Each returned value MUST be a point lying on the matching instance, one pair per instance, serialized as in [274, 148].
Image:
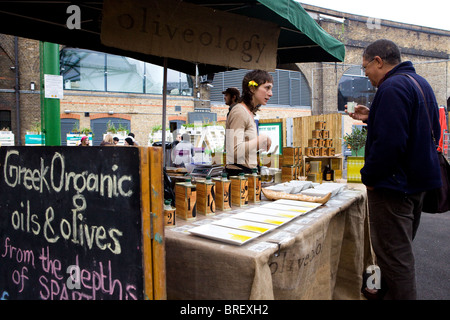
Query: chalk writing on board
[70, 229]
[54, 282]
[54, 177]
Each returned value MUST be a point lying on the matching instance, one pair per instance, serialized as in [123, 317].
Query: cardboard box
[316, 152]
[309, 152]
[206, 202]
[239, 191]
[317, 134]
[321, 143]
[290, 156]
[288, 173]
[223, 192]
[321, 125]
[307, 168]
[335, 164]
[254, 188]
[314, 177]
[331, 152]
[316, 166]
[185, 200]
[313, 143]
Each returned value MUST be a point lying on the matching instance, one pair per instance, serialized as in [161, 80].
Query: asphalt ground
[432, 255]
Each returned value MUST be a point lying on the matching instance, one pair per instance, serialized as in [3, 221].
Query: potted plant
[121, 132]
[74, 137]
[356, 141]
[34, 136]
[155, 134]
[111, 128]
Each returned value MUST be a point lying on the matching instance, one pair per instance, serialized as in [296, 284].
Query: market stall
[318, 255]
[165, 35]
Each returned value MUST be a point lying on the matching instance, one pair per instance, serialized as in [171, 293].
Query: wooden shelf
[337, 166]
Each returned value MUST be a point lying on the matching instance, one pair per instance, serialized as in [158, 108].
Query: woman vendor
[242, 140]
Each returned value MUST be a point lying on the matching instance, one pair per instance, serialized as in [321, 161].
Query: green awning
[292, 44]
[301, 38]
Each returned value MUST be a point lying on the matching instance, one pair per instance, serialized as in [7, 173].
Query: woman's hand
[264, 142]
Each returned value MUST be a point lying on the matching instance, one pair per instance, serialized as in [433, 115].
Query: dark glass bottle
[328, 174]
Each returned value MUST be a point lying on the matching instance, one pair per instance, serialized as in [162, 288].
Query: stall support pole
[164, 113]
[50, 108]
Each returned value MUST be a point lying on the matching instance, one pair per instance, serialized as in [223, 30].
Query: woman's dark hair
[129, 141]
[385, 49]
[258, 76]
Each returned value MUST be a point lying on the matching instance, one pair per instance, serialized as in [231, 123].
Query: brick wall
[425, 47]
[144, 111]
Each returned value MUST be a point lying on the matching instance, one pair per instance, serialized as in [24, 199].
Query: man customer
[401, 162]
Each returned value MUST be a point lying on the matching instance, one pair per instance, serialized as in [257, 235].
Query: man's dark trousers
[394, 218]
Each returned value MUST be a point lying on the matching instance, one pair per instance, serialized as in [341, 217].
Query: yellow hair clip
[252, 84]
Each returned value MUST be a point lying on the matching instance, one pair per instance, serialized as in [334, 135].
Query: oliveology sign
[180, 30]
[70, 223]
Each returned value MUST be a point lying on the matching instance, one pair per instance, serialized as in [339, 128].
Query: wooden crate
[335, 163]
[290, 156]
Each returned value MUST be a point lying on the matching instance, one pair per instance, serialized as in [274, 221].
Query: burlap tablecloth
[320, 255]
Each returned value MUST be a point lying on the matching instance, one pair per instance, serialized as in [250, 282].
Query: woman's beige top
[240, 129]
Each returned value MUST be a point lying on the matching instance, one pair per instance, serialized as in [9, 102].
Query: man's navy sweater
[400, 153]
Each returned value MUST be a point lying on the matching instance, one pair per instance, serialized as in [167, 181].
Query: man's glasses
[364, 67]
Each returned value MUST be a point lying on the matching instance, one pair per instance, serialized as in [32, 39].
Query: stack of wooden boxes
[292, 163]
[321, 144]
[321, 149]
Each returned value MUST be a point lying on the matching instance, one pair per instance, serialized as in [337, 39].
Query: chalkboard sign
[70, 223]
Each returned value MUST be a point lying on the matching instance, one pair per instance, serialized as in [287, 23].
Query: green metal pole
[41, 75]
[51, 111]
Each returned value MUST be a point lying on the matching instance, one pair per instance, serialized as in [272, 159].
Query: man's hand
[361, 113]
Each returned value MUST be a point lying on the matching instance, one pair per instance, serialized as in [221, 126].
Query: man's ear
[380, 62]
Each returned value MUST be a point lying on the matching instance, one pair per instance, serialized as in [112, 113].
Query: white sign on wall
[53, 86]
